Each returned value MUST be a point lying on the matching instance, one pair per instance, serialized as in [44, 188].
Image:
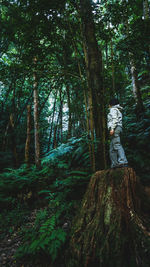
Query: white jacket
[114, 117]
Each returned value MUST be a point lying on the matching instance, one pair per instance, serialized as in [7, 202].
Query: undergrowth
[54, 192]
[136, 139]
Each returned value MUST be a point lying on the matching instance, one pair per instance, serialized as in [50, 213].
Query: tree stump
[109, 230]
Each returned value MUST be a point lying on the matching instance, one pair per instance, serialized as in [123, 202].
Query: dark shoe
[122, 165]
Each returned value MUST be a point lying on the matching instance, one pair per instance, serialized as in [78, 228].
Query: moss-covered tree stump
[109, 230]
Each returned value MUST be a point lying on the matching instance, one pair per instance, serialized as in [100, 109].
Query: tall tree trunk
[146, 11]
[90, 130]
[94, 76]
[69, 111]
[36, 117]
[88, 118]
[91, 125]
[135, 84]
[52, 122]
[60, 135]
[13, 141]
[146, 14]
[106, 52]
[68, 93]
[136, 88]
[110, 229]
[59, 123]
[14, 98]
[4, 143]
[113, 67]
[55, 136]
[56, 132]
[28, 138]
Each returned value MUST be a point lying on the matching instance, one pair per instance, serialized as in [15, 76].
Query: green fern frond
[48, 225]
[58, 234]
[53, 249]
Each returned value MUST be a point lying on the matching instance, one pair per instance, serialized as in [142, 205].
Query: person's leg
[113, 154]
[121, 157]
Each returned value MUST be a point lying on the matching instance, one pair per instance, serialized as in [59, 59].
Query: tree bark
[90, 129]
[58, 121]
[146, 11]
[69, 111]
[60, 118]
[52, 122]
[56, 132]
[4, 143]
[28, 138]
[106, 53]
[65, 58]
[88, 118]
[108, 229]
[36, 117]
[146, 15]
[91, 126]
[45, 100]
[13, 141]
[113, 67]
[94, 76]
[136, 88]
[55, 137]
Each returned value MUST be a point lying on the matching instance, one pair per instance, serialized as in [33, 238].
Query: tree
[93, 60]
[146, 10]
[28, 138]
[36, 117]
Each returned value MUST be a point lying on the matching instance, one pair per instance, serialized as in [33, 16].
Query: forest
[61, 203]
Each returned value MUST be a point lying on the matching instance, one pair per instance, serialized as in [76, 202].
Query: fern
[57, 182]
[41, 216]
[49, 238]
[48, 225]
[74, 152]
[57, 238]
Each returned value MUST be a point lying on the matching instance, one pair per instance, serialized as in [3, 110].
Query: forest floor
[8, 248]
[10, 242]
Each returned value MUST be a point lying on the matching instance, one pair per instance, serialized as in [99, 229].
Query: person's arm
[113, 118]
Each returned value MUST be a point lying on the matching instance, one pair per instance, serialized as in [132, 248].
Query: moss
[108, 212]
[108, 209]
[117, 176]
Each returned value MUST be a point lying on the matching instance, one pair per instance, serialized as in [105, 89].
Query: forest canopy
[46, 49]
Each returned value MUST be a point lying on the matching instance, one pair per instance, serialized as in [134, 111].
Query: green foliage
[45, 236]
[56, 183]
[12, 220]
[137, 144]
[56, 39]
[14, 182]
[72, 154]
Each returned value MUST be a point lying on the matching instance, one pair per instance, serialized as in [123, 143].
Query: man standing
[114, 124]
